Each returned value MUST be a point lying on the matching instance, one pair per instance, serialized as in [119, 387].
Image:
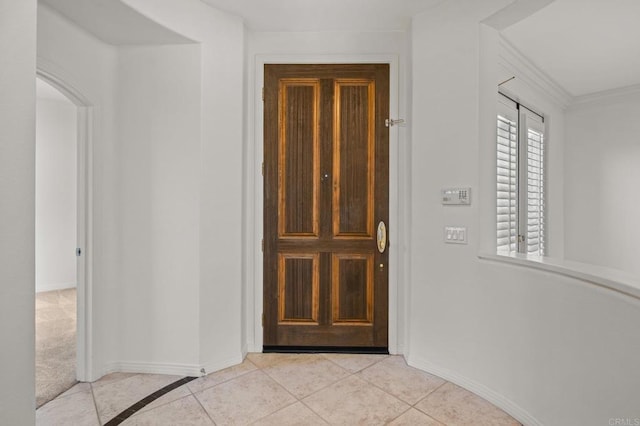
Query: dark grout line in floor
[131, 410]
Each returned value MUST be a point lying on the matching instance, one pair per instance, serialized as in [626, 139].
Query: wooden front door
[326, 180]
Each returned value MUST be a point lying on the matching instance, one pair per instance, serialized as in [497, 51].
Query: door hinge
[263, 94]
[263, 244]
[390, 122]
[263, 168]
[263, 319]
[78, 252]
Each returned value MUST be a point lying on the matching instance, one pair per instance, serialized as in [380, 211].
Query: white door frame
[84, 223]
[254, 200]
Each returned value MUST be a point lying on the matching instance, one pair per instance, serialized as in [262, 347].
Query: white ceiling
[113, 22]
[586, 46]
[325, 15]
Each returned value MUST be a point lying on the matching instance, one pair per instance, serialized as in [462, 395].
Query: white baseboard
[244, 350]
[216, 365]
[479, 389]
[171, 369]
[399, 350]
[253, 348]
[41, 288]
[153, 368]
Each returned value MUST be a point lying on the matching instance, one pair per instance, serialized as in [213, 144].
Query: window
[520, 179]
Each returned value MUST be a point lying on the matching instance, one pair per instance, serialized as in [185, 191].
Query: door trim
[84, 353]
[254, 199]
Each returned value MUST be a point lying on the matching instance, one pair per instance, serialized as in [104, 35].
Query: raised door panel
[298, 165]
[352, 289]
[353, 158]
[298, 288]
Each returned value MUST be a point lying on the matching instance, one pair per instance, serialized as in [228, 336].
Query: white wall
[542, 346]
[17, 211]
[602, 165]
[219, 171]
[159, 151]
[322, 47]
[167, 187]
[87, 67]
[56, 210]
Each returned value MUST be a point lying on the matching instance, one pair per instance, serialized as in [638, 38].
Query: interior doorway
[63, 122]
[326, 210]
[56, 237]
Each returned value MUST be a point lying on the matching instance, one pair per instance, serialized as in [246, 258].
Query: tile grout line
[395, 396]
[319, 390]
[223, 381]
[427, 396]
[98, 384]
[139, 412]
[283, 387]
[314, 412]
[258, 369]
[202, 406]
[349, 373]
[300, 400]
[399, 415]
[352, 374]
[410, 406]
[95, 404]
[193, 394]
[132, 409]
[278, 410]
[357, 375]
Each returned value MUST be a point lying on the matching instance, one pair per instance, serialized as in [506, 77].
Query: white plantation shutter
[534, 236]
[507, 184]
[520, 183]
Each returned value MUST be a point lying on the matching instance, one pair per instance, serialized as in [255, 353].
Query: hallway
[280, 389]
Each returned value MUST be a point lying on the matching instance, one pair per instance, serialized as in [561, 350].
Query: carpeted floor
[55, 343]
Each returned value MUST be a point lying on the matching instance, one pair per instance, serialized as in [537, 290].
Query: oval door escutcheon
[382, 237]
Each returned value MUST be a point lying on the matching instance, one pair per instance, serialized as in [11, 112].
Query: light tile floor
[282, 389]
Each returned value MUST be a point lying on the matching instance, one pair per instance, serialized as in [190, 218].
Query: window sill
[601, 276]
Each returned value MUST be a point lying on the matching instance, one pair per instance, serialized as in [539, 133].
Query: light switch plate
[455, 234]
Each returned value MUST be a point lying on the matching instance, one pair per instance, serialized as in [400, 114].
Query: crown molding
[525, 70]
[606, 95]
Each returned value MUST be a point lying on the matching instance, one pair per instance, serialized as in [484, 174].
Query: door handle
[381, 237]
